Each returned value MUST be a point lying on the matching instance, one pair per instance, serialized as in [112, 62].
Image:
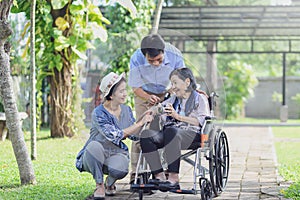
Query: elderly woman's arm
[190, 120]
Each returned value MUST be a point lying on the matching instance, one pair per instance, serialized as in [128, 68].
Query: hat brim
[117, 81]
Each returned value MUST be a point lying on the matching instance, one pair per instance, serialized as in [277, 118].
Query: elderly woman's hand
[170, 111]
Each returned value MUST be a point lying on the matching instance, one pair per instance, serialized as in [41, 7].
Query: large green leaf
[77, 8]
[129, 6]
[61, 43]
[99, 31]
[58, 4]
[79, 54]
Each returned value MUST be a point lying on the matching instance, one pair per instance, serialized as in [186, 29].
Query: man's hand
[153, 99]
[150, 98]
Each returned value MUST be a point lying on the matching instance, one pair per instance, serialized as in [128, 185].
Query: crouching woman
[112, 121]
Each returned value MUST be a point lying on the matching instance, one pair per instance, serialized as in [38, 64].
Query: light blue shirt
[151, 78]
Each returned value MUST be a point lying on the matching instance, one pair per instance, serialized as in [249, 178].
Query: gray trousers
[98, 161]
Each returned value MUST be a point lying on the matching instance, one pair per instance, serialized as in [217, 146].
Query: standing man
[150, 67]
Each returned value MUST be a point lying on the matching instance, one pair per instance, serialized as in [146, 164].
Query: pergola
[249, 24]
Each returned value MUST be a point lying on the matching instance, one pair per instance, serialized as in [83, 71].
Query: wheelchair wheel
[212, 162]
[206, 189]
[222, 160]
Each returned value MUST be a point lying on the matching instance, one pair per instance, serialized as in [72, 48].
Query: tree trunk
[157, 15]
[6, 91]
[61, 89]
[32, 81]
[61, 100]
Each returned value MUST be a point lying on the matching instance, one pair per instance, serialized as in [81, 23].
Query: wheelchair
[210, 180]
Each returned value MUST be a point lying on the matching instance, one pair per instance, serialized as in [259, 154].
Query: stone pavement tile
[268, 170]
[172, 196]
[227, 196]
[250, 186]
[272, 191]
[248, 196]
[251, 176]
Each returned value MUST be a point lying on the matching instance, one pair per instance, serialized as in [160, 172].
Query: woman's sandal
[98, 196]
[110, 190]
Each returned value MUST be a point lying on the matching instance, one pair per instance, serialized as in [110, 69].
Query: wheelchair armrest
[207, 126]
[208, 118]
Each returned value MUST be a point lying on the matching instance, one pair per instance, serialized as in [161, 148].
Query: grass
[261, 121]
[54, 168]
[288, 155]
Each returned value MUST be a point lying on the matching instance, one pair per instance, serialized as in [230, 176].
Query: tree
[6, 91]
[64, 29]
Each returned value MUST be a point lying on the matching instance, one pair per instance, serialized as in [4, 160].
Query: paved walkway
[252, 174]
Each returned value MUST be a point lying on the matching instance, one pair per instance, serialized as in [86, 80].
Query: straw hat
[109, 81]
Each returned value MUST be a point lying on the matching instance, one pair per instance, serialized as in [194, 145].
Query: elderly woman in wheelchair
[183, 115]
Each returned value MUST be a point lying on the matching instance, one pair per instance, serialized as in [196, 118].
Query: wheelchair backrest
[211, 100]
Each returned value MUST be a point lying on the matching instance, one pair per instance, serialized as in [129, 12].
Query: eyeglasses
[157, 60]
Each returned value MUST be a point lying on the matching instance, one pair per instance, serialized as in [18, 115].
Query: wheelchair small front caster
[206, 189]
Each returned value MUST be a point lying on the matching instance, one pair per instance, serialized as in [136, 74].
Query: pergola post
[284, 107]
[211, 67]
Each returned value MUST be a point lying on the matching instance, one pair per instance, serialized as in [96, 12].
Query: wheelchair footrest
[144, 187]
[182, 191]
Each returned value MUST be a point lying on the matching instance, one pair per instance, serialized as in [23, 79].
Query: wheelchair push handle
[212, 102]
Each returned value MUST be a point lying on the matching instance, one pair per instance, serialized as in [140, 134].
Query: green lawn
[55, 171]
[288, 154]
[261, 121]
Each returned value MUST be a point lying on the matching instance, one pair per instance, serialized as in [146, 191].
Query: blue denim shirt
[107, 130]
[151, 78]
[106, 127]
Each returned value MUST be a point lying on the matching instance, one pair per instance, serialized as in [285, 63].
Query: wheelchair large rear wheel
[222, 159]
[212, 162]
